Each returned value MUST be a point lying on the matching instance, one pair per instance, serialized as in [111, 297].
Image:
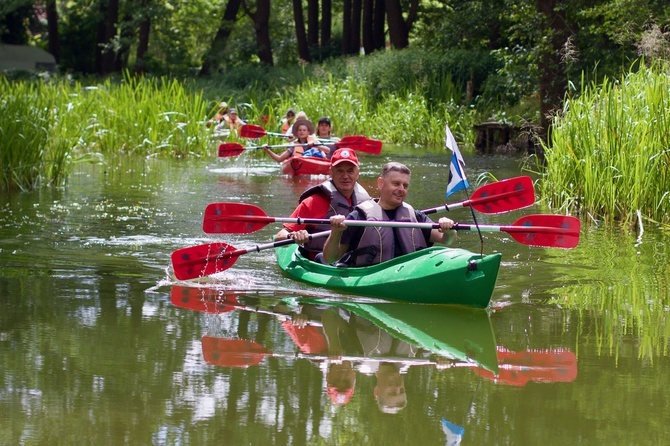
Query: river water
[99, 345]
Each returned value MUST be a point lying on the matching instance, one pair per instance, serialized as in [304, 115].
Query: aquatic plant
[609, 150]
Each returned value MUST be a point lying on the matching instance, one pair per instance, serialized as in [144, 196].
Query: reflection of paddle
[545, 230]
[243, 353]
[357, 143]
[213, 301]
[517, 368]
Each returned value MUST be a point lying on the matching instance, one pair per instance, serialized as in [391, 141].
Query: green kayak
[432, 275]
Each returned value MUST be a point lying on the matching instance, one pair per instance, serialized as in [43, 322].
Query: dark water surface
[100, 346]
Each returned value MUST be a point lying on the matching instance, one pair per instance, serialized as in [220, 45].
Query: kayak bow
[433, 275]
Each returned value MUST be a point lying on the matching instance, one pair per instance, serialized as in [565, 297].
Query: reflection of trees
[87, 362]
[623, 295]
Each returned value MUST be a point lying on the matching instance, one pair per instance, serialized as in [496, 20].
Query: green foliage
[47, 126]
[33, 152]
[78, 31]
[609, 153]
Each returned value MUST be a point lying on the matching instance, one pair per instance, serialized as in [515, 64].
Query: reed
[610, 151]
[26, 125]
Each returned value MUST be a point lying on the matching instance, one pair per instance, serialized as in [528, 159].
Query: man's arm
[444, 234]
[333, 249]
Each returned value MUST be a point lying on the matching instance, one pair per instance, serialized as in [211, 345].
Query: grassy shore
[607, 159]
[610, 150]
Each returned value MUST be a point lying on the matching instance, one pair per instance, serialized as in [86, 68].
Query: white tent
[24, 57]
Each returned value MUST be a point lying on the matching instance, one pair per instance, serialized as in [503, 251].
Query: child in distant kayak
[287, 121]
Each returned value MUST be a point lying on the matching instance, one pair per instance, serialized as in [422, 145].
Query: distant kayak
[305, 165]
[433, 275]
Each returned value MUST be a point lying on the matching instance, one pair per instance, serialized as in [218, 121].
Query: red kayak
[305, 165]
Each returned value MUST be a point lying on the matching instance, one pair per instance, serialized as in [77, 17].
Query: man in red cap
[338, 195]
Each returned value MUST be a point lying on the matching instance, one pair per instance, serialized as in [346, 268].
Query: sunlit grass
[44, 127]
[610, 150]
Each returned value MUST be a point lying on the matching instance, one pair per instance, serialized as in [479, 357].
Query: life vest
[338, 205]
[377, 244]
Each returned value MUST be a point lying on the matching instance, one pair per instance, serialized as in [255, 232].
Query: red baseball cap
[344, 155]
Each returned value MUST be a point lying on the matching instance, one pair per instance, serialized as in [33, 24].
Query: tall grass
[46, 126]
[397, 97]
[27, 159]
[610, 150]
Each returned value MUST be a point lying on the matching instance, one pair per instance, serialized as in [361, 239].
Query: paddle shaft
[242, 251]
[392, 224]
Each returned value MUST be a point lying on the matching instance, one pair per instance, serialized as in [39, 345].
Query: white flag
[457, 180]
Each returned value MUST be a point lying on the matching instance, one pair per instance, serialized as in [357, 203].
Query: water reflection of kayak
[445, 336]
[452, 336]
[460, 335]
[433, 275]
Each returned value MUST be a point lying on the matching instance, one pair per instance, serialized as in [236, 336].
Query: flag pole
[457, 179]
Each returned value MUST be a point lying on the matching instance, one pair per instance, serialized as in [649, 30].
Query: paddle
[211, 258]
[495, 198]
[502, 196]
[256, 131]
[357, 143]
[546, 230]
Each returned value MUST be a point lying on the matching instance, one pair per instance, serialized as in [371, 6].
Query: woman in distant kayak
[304, 132]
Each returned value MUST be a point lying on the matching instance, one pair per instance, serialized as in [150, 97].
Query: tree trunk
[105, 55]
[52, 27]
[356, 9]
[399, 28]
[346, 27]
[379, 23]
[313, 26]
[300, 35]
[218, 46]
[552, 81]
[144, 29]
[262, 25]
[374, 15]
[326, 22]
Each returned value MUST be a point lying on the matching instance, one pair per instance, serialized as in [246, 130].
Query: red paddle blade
[252, 131]
[546, 230]
[202, 260]
[373, 146]
[206, 300]
[504, 196]
[231, 218]
[360, 144]
[230, 149]
[232, 352]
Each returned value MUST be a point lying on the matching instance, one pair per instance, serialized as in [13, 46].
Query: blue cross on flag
[457, 180]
